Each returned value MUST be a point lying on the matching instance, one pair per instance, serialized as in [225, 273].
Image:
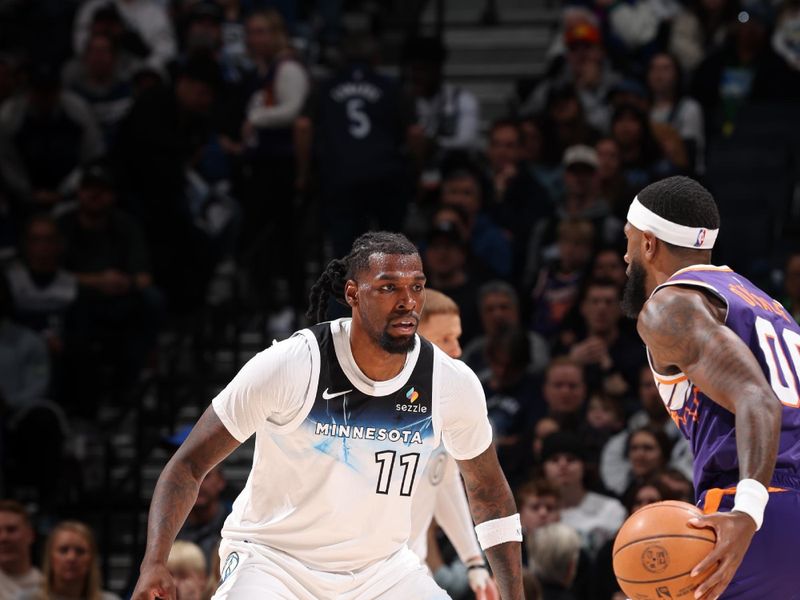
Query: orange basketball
[656, 550]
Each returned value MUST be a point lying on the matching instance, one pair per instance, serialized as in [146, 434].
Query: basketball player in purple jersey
[726, 359]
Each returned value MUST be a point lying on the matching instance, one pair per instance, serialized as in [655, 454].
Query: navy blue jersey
[360, 122]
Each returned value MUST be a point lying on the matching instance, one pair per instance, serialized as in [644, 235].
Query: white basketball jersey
[338, 455]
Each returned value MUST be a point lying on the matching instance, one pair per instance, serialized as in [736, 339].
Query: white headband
[645, 219]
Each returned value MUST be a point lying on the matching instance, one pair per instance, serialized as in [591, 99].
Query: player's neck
[371, 359]
[666, 268]
[674, 261]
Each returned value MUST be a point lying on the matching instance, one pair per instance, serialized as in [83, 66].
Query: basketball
[656, 550]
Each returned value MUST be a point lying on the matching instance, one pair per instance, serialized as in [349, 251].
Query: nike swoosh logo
[327, 396]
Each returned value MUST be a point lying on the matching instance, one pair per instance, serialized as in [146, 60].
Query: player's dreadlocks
[338, 271]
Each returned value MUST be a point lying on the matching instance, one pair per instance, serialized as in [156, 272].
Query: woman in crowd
[648, 453]
[639, 150]
[71, 569]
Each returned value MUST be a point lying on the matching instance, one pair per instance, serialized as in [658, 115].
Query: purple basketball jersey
[774, 339]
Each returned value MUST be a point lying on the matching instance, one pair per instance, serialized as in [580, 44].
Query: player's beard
[634, 296]
[395, 345]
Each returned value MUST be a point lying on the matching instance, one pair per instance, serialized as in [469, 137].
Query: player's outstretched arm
[176, 491]
[490, 498]
[681, 330]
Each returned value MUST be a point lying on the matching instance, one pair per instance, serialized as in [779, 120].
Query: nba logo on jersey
[701, 237]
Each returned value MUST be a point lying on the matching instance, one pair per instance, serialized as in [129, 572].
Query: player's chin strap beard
[644, 219]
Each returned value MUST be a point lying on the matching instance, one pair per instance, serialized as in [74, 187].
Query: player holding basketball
[726, 359]
[346, 414]
[440, 492]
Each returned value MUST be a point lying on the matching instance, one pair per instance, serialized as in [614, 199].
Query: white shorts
[255, 572]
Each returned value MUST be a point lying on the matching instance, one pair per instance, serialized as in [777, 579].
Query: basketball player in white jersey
[346, 414]
[440, 493]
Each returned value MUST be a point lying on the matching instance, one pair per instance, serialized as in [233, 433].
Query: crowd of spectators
[152, 145]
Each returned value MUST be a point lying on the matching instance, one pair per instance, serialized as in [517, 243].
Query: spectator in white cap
[582, 200]
[582, 193]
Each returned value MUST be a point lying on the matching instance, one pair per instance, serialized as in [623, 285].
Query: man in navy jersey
[726, 359]
[346, 414]
[362, 123]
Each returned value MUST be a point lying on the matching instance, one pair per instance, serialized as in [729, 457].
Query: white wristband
[751, 498]
[498, 531]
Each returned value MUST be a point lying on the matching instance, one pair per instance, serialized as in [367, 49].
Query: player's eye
[418, 287]
[387, 288]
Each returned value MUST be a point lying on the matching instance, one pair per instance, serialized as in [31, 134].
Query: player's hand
[482, 584]
[154, 582]
[734, 531]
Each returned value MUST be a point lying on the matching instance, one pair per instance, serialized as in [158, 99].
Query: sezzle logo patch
[412, 396]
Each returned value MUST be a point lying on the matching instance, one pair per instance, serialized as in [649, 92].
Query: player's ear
[649, 245]
[351, 292]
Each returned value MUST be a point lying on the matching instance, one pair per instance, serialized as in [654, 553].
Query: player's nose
[406, 300]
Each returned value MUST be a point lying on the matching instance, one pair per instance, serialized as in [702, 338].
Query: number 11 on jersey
[386, 460]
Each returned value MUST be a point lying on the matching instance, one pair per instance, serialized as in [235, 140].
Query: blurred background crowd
[174, 174]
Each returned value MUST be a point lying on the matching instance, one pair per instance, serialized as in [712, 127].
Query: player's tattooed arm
[683, 331]
[490, 498]
[207, 445]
